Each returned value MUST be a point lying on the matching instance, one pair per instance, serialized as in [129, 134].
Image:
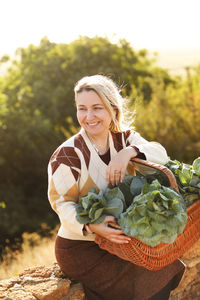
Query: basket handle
[165, 170]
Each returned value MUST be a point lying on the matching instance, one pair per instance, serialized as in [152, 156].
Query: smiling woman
[93, 116]
[98, 156]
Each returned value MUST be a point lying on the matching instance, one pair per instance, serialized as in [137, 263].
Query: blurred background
[151, 49]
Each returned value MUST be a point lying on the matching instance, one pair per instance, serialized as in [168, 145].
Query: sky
[152, 24]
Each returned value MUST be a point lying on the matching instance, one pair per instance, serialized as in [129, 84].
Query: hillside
[175, 60]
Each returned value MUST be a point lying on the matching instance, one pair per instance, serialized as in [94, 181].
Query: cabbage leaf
[94, 207]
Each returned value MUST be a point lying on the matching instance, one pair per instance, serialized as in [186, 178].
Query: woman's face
[92, 114]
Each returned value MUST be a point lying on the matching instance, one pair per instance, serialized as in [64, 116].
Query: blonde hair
[109, 93]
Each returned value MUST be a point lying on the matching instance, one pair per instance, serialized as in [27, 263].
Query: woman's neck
[100, 143]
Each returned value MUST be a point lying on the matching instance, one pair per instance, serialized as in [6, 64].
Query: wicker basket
[155, 258]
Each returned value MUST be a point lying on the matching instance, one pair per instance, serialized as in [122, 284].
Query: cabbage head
[157, 215]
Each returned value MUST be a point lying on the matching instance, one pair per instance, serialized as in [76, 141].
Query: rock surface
[49, 283]
[189, 287]
[40, 283]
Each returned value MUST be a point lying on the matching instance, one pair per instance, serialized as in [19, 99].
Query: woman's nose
[90, 115]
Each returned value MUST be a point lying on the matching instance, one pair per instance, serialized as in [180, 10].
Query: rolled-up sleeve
[153, 151]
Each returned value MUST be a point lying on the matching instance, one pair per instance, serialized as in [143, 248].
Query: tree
[172, 117]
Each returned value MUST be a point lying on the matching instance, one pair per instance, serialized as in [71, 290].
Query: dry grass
[35, 251]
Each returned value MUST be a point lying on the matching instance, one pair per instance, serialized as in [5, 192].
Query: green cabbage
[94, 207]
[157, 215]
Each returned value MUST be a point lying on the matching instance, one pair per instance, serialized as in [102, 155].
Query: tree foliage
[172, 117]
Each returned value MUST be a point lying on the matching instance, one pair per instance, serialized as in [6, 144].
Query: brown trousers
[107, 277]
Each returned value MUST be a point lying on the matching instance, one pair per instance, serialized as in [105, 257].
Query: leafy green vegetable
[196, 166]
[125, 188]
[137, 184]
[94, 207]
[157, 215]
[188, 179]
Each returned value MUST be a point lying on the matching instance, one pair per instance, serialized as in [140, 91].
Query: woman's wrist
[139, 154]
[133, 151]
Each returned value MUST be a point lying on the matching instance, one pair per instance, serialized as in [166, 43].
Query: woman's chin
[96, 130]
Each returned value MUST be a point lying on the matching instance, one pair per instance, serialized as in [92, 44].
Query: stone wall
[49, 283]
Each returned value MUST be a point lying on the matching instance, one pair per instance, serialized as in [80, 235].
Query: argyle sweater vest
[75, 167]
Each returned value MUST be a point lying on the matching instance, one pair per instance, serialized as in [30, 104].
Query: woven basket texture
[155, 258]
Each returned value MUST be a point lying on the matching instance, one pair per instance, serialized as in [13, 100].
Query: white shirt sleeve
[153, 151]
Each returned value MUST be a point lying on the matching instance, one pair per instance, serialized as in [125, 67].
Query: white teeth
[92, 124]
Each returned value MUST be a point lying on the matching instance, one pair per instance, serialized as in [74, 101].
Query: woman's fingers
[117, 235]
[120, 239]
[112, 234]
[109, 219]
[114, 231]
[120, 176]
[114, 176]
[117, 176]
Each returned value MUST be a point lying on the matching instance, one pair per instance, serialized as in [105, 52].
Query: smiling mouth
[93, 124]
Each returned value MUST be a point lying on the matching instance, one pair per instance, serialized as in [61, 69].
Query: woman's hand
[114, 235]
[117, 167]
